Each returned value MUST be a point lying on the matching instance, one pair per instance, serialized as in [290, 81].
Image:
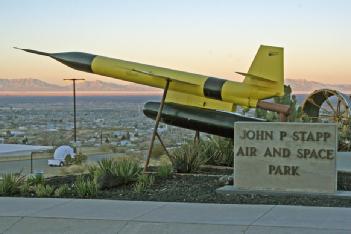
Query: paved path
[343, 163]
[32, 215]
[42, 164]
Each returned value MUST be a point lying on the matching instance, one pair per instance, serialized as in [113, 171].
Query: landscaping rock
[226, 180]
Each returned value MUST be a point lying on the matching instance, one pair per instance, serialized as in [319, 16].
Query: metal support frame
[163, 145]
[154, 133]
[197, 137]
[31, 162]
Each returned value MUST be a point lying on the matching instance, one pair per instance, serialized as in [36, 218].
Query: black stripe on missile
[213, 88]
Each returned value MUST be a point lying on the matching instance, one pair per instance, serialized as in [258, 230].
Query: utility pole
[74, 108]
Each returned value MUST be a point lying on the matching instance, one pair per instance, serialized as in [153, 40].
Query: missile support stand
[155, 133]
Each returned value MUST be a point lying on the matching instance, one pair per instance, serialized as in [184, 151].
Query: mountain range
[306, 86]
[36, 85]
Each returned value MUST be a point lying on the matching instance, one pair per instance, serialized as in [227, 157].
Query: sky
[214, 38]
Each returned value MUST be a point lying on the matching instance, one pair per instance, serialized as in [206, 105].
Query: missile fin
[256, 77]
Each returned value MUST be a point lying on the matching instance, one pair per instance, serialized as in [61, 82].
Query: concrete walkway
[32, 215]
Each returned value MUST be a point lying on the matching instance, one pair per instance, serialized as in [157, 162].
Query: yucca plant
[85, 188]
[106, 165]
[112, 173]
[42, 190]
[80, 158]
[219, 151]
[62, 191]
[188, 157]
[127, 170]
[26, 189]
[164, 169]
[11, 183]
[35, 179]
[143, 182]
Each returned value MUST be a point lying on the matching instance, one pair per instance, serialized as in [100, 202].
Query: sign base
[230, 189]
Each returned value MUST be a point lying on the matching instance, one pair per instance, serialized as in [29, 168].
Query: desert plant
[77, 169]
[219, 151]
[127, 170]
[164, 170]
[62, 191]
[10, 183]
[188, 157]
[105, 165]
[344, 137]
[143, 182]
[92, 168]
[35, 179]
[85, 188]
[112, 173]
[26, 189]
[43, 190]
[157, 151]
[80, 158]
[68, 160]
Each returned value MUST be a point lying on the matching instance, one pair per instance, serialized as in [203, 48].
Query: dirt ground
[202, 188]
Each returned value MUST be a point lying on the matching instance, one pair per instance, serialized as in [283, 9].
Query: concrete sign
[290, 157]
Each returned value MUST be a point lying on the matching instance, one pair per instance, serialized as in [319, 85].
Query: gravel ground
[189, 188]
[202, 188]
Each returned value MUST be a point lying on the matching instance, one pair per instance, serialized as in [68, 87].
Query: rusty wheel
[328, 106]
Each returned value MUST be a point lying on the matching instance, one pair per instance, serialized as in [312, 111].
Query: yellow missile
[264, 79]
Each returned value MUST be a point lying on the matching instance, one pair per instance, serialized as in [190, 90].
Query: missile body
[195, 118]
[258, 84]
[194, 101]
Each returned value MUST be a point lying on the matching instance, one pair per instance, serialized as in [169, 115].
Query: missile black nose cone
[33, 51]
[76, 60]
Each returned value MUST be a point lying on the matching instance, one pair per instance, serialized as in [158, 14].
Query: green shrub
[62, 191]
[105, 165]
[26, 189]
[219, 151]
[43, 190]
[92, 168]
[68, 160]
[127, 170]
[80, 158]
[344, 137]
[11, 183]
[188, 157]
[85, 188]
[157, 151]
[143, 182]
[164, 170]
[112, 173]
[35, 179]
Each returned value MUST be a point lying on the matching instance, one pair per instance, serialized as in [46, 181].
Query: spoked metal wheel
[328, 106]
